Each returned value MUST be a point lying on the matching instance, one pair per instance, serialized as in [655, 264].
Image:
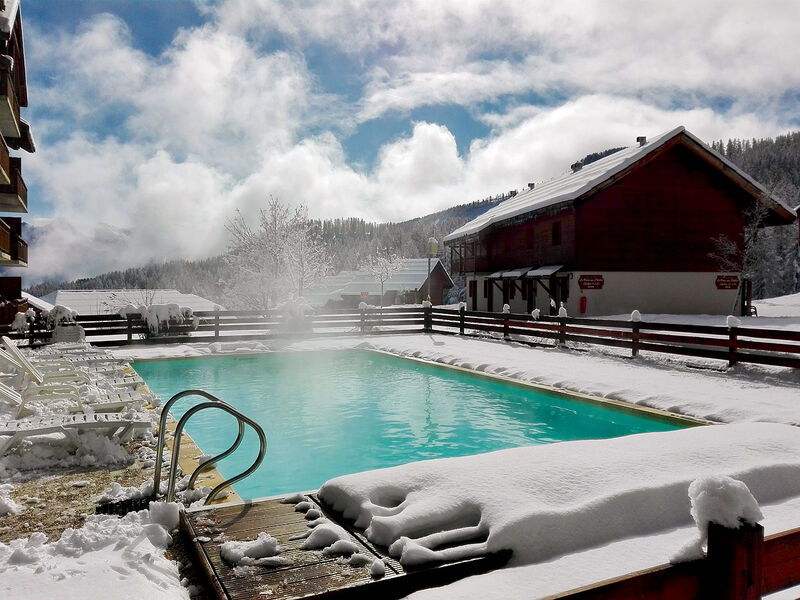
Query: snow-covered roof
[37, 302]
[99, 302]
[572, 185]
[412, 276]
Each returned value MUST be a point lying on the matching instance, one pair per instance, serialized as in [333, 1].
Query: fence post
[734, 563]
[427, 325]
[216, 325]
[363, 320]
[635, 338]
[562, 331]
[31, 325]
[462, 310]
[506, 335]
[732, 345]
[130, 328]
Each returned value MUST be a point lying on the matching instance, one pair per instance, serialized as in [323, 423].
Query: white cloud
[217, 123]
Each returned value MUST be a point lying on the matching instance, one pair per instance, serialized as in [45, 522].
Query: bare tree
[382, 266]
[275, 262]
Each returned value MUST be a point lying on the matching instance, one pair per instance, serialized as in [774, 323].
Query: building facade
[639, 229]
[15, 135]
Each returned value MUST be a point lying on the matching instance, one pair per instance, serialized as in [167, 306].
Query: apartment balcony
[5, 243]
[9, 105]
[14, 195]
[13, 249]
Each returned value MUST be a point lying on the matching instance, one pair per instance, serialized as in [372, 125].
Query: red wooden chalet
[633, 230]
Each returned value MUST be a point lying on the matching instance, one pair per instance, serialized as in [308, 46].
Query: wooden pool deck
[309, 573]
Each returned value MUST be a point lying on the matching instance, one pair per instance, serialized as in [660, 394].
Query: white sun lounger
[46, 393]
[16, 358]
[106, 401]
[108, 424]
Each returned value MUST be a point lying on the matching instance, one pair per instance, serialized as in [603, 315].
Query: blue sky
[155, 120]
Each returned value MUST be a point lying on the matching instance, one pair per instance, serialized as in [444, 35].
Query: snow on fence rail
[733, 345]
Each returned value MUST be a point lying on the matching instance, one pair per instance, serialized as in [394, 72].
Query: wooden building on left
[15, 138]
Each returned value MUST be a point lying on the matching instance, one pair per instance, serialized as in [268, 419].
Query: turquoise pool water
[331, 413]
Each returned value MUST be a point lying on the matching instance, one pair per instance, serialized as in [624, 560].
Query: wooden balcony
[14, 195]
[5, 243]
[9, 105]
[15, 251]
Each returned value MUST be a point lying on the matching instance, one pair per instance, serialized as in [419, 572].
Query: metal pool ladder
[213, 402]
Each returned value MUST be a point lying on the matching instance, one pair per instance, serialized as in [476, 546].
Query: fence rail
[733, 345]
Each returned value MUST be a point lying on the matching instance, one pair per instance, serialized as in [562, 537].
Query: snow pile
[87, 449]
[7, 505]
[722, 500]
[732, 322]
[125, 555]
[59, 315]
[636, 316]
[20, 323]
[159, 316]
[506, 309]
[260, 551]
[549, 500]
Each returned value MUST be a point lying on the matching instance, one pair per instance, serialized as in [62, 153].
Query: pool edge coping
[610, 403]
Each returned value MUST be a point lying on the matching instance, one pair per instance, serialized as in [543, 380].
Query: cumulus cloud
[144, 157]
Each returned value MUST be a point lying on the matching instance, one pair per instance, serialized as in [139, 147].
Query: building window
[485, 288]
[473, 288]
[556, 237]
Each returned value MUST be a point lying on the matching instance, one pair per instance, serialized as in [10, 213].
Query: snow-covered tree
[382, 266]
[275, 262]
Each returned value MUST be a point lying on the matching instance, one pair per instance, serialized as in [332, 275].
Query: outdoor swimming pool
[331, 413]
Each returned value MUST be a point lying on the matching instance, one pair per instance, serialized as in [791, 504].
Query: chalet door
[473, 293]
[531, 287]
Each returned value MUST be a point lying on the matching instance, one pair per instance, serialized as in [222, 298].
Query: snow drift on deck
[544, 501]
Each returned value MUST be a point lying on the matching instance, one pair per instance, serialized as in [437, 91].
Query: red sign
[364, 295]
[727, 282]
[591, 282]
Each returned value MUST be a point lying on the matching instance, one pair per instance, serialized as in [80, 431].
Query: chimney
[576, 166]
[531, 186]
[642, 140]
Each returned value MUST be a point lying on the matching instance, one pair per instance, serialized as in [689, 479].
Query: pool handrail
[217, 403]
[162, 434]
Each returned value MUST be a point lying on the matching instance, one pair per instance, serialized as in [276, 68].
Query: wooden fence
[733, 345]
[741, 564]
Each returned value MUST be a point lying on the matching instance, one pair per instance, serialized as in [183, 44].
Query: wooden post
[363, 321]
[462, 310]
[635, 338]
[732, 345]
[734, 563]
[130, 329]
[562, 331]
[506, 335]
[428, 327]
[216, 325]
[31, 327]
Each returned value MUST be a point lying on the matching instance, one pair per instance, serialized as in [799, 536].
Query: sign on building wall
[591, 282]
[727, 282]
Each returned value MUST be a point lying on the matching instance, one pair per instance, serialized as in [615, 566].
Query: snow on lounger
[548, 500]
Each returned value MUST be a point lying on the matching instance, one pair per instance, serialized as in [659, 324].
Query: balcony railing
[14, 196]
[16, 253]
[9, 105]
[5, 243]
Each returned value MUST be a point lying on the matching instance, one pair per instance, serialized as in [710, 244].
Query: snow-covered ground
[574, 512]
